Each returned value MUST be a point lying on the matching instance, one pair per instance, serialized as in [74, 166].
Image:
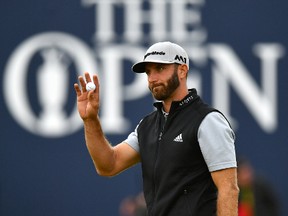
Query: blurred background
[238, 57]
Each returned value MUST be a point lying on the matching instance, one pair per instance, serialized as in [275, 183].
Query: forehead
[151, 65]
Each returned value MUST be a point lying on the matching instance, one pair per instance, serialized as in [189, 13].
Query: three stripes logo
[178, 138]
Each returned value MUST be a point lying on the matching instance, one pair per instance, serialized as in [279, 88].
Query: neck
[177, 96]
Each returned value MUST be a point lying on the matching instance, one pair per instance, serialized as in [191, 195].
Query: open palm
[87, 101]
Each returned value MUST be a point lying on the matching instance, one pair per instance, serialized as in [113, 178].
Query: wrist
[92, 124]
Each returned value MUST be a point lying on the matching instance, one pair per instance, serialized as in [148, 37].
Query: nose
[152, 76]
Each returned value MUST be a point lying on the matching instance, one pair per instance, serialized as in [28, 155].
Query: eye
[160, 68]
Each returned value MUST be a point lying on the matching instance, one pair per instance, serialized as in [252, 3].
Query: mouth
[156, 88]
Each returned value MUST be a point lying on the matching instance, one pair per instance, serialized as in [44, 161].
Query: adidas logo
[178, 138]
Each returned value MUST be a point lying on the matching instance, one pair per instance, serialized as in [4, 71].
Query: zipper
[156, 158]
[162, 127]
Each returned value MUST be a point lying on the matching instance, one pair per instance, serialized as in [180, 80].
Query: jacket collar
[189, 98]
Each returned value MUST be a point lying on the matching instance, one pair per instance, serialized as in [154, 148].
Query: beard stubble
[163, 91]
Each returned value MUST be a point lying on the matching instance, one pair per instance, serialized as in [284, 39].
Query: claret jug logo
[51, 79]
[177, 21]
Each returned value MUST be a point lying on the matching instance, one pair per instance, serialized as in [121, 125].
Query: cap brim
[140, 66]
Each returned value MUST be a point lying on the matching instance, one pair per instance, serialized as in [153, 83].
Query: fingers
[83, 83]
[96, 82]
[87, 77]
[77, 89]
[94, 95]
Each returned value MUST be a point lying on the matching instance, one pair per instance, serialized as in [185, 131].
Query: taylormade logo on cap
[162, 52]
[154, 53]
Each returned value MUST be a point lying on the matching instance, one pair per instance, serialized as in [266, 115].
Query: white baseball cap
[162, 52]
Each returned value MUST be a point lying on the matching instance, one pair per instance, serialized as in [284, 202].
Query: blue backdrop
[239, 64]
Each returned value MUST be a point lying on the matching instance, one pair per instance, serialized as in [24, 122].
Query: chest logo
[178, 138]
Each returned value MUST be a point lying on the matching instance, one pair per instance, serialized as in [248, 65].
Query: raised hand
[87, 101]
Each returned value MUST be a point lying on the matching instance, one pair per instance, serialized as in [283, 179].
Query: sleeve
[216, 140]
[132, 140]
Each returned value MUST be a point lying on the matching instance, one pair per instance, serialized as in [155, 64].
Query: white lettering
[229, 70]
[186, 21]
[179, 21]
[133, 17]
[104, 19]
[166, 19]
[115, 91]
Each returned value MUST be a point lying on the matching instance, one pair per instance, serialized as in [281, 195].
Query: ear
[183, 70]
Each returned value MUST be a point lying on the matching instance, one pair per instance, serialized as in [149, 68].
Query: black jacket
[176, 179]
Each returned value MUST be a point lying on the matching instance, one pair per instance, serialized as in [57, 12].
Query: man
[186, 148]
[257, 196]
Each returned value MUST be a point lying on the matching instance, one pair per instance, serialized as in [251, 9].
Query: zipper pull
[160, 136]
